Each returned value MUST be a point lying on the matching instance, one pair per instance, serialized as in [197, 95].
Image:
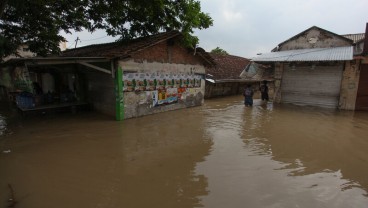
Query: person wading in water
[264, 91]
[248, 95]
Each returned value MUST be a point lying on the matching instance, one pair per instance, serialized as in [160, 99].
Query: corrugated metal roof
[313, 54]
[355, 37]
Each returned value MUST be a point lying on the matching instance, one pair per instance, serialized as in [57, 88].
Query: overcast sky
[245, 28]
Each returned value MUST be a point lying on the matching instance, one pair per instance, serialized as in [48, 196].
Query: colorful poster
[140, 81]
[151, 81]
[177, 81]
[191, 81]
[197, 82]
[161, 97]
[184, 80]
[172, 95]
[160, 82]
[128, 82]
[181, 93]
[169, 78]
[155, 81]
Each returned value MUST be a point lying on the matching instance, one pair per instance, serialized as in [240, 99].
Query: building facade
[127, 79]
[315, 67]
[150, 75]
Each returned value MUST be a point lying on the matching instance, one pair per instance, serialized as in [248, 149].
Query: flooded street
[221, 154]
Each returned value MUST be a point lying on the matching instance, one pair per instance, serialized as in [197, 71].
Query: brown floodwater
[221, 154]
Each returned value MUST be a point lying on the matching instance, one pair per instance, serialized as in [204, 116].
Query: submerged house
[315, 67]
[223, 78]
[230, 74]
[124, 79]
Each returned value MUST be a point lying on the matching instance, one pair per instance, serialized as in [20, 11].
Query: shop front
[41, 85]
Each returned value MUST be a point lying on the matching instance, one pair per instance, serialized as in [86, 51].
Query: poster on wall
[128, 82]
[177, 81]
[160, 82]
[161, 97]
[150, 81]
[169, 78]
[172, 95]
[154, 95]
[155, 81]
[197, 82]
[140, 81]
[191, 81]
[181, 93]
[184, 80]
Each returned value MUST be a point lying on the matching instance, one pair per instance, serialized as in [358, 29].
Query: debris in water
[11, 200]
[6, 151]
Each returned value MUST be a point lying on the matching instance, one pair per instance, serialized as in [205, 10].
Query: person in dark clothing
[264, 91]
[248, 95]
[37, 88]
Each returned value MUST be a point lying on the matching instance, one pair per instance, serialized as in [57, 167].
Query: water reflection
[286, 156]
[91, 161]
[219, 155]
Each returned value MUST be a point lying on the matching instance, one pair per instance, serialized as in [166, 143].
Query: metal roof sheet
[312, 54]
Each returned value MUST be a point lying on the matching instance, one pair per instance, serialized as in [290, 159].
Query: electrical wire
[95, 38]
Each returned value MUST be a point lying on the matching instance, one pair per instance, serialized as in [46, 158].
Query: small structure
[223, 78]
[315, 67]
[126, 79]
[48, 84]
[230, 74]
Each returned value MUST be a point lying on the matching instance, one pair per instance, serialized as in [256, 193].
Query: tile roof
[313, 54]
[355, 37]
[119, 49]
[226, 66]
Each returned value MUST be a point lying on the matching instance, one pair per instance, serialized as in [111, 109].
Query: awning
[86, 61]
[312, 54]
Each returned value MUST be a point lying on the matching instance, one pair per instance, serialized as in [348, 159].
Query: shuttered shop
[307, 85]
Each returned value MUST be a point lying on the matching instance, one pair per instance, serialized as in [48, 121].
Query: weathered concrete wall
[223, 89]
[314, 38]
[162, 59]
[236, 88]
[279, 69]
[157, 67]
[358, 48]
[349, 85]
[101, 92]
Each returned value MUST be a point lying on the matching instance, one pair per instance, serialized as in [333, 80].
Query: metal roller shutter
[318, 87]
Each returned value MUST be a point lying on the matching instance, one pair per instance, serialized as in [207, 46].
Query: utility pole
[76, 42]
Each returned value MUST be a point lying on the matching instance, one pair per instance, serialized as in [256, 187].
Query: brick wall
[167, 53]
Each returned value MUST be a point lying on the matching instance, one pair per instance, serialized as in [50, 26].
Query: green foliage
[39, 22]
[219, 51]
